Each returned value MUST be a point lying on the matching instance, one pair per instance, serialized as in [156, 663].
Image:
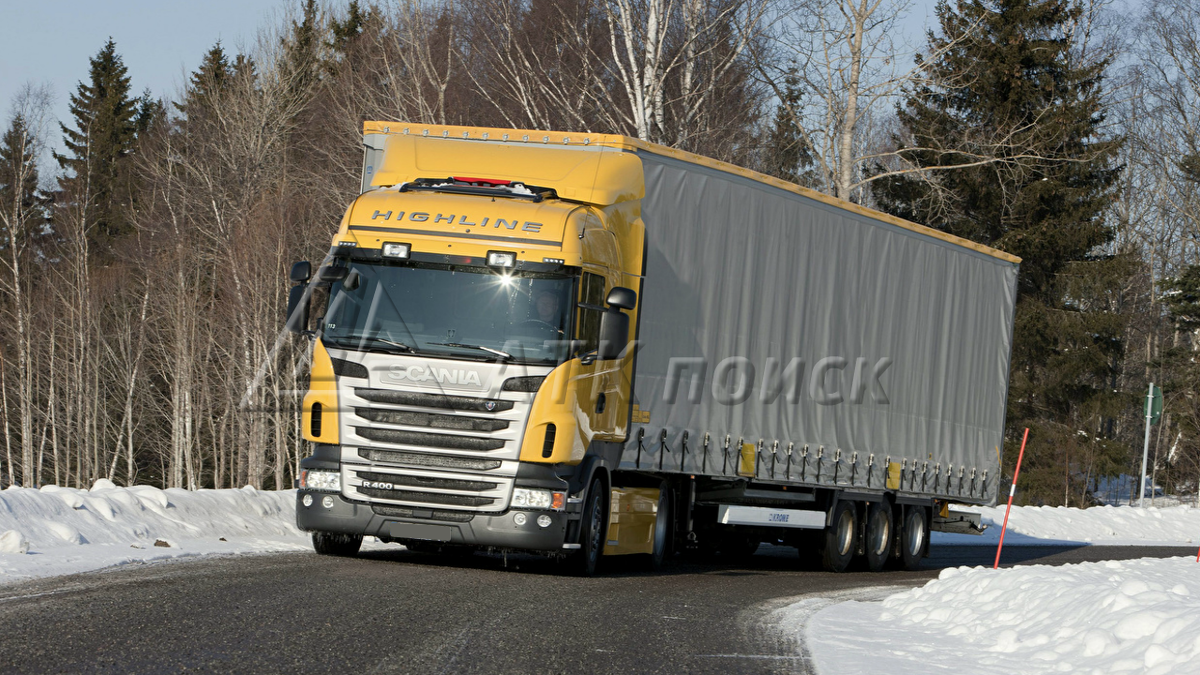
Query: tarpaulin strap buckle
[641, 435]
[662, 447]
[683, 450]
[725, 455]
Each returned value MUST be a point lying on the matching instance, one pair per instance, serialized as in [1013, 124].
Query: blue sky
[50, 41]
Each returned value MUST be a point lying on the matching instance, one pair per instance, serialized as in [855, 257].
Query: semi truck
[587, 345]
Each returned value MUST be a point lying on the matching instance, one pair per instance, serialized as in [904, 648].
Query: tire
[841, 538]
[343, 545]
[914, 538]
[593, 526]
[663, 528]
[878, 535]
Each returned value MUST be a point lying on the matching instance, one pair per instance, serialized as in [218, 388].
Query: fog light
[307, 500]
[519, 519]
[327, 502]
[543, 521]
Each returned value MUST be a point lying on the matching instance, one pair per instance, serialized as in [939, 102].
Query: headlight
[330, 481]
[524, 498]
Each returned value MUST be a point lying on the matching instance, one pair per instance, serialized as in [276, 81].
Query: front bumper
[490, 530]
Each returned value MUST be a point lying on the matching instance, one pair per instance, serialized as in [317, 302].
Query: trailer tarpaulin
[781, 321]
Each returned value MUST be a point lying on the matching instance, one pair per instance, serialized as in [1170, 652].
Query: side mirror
[352, 281]
[330, 274]
[621, 297]
[301, 272]
[297, 309]
[614, 334]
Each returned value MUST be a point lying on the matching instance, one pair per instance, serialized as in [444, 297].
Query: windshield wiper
[504, 355]
[371, 338]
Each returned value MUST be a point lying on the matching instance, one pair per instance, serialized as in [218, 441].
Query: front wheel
[343, 545]
[592, 528]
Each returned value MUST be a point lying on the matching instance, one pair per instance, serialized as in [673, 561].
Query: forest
[145, 241]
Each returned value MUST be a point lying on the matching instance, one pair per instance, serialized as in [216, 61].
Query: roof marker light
[484, 136]
[466, 134]
[566, 139]
[425, 133]
[446, 133]
[586, 141]
[545, 139]
[525, 138]
[506, 137]
[405, 131]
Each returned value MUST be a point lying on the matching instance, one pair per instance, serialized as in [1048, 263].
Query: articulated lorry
[587, 345]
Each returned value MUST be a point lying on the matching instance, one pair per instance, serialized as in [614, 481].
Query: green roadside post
[1153, 411]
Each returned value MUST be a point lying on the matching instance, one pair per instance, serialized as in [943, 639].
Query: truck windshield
[467, 312]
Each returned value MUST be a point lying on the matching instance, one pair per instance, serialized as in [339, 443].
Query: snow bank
[56, 530]
[1108, 525]
[1133, 616]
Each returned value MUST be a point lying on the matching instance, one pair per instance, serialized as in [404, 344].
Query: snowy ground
[55, 530]
[1108, 525]
[1135, 616]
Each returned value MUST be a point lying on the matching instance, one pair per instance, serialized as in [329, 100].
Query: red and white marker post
[1012, 490]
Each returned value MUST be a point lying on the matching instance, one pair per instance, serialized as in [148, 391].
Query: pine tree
[788, 152]
[301, 49]
[343, 32]
[98, 176]
[20, 199]
[1025, 116]
[208, 83]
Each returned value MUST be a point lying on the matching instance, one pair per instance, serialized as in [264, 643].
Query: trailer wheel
[592, 529]
[914, 536]
[344, 545]
[662, 528]
[878, 539]
[841, 538]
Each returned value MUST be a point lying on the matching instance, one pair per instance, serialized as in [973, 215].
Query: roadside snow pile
[1132, 616]
[56, 530]
[1108, 525]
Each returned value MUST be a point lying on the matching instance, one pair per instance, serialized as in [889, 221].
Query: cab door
[599, 396]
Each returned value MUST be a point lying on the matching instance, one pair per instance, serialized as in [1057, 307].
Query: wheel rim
[916, 534]
[660, 524]
[845, 532]
[879, 533]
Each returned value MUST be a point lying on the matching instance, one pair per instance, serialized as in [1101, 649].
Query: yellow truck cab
[458, 372]
[549, 342]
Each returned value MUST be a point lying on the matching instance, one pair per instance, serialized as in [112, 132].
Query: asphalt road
[393, 611]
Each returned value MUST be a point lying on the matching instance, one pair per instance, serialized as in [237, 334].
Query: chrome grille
[430, 451]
